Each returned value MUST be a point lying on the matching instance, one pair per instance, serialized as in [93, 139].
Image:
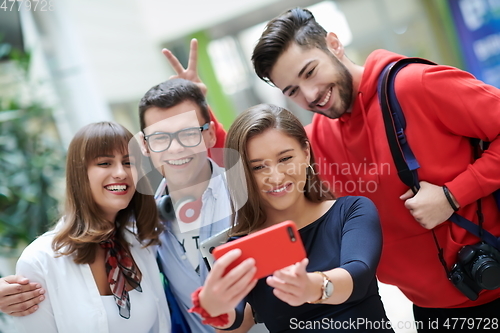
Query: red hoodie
[443, 107]
[216, 152]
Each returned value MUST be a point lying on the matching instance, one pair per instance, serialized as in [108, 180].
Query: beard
[345, 88]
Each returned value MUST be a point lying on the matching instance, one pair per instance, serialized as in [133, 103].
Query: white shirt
[72, 301]
[143, 312]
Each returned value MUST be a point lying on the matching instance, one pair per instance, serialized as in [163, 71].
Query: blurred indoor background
[66, 63]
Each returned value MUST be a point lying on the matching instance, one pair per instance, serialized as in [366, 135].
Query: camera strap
[404, 159]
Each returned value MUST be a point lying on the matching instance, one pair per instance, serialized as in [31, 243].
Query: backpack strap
[395, 123]
[480, 146]
[404, 159]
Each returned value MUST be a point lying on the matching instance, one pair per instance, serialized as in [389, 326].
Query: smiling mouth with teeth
[179, 162]
[279, 190]
[116, 188]
[326, 98]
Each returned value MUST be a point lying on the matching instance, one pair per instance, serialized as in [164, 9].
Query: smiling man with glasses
[177, 135]
[178, 132]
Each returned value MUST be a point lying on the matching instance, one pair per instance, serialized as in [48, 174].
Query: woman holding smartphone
[335, 286]
[98, 273]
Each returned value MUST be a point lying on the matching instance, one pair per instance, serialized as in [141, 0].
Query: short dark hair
[295, 25]
[171, 93]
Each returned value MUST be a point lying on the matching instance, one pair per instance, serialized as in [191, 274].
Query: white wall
[170, 19]
[125, 60]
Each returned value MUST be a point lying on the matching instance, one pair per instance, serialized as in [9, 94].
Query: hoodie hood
[357, 126]
[358, 131]
[367, 89]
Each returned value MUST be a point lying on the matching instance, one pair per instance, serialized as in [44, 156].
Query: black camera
[477, 268]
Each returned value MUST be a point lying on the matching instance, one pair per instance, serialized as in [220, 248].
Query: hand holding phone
[221, 292]
[272, 248]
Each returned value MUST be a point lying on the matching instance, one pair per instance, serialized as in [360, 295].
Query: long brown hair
[84, 223]
[251, 122]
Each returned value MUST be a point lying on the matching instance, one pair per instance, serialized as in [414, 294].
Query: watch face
[328, 291]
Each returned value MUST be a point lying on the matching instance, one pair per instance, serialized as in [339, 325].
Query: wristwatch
[326, 288]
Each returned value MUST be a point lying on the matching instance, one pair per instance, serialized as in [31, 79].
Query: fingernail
[42, 291]
[41, 298]
[38, 285]
[250, 260]
[235, 251]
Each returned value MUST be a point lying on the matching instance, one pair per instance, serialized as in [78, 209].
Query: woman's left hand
[293, 285]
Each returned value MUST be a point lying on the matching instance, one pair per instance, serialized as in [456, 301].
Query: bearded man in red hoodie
[444, 107]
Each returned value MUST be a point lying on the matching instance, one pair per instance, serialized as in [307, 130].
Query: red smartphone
[273, 248]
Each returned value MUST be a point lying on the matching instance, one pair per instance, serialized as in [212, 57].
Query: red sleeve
[220, 134]
[471, 109]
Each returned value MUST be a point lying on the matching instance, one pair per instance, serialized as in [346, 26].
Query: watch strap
[326, 279]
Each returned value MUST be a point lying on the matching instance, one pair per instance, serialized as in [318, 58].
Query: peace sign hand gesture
[190, 73]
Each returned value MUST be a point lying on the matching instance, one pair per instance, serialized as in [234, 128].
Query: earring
[310, 170]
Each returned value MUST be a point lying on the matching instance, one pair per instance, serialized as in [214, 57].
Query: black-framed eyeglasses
[187, 137]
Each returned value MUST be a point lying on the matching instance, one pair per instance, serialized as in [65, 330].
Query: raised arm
[361, 246]
[19, 297]
[191, 73]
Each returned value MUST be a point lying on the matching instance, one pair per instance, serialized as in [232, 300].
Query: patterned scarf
[120, 268]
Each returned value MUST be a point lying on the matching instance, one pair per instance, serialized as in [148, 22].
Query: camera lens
[291, 234]
[486, 272]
